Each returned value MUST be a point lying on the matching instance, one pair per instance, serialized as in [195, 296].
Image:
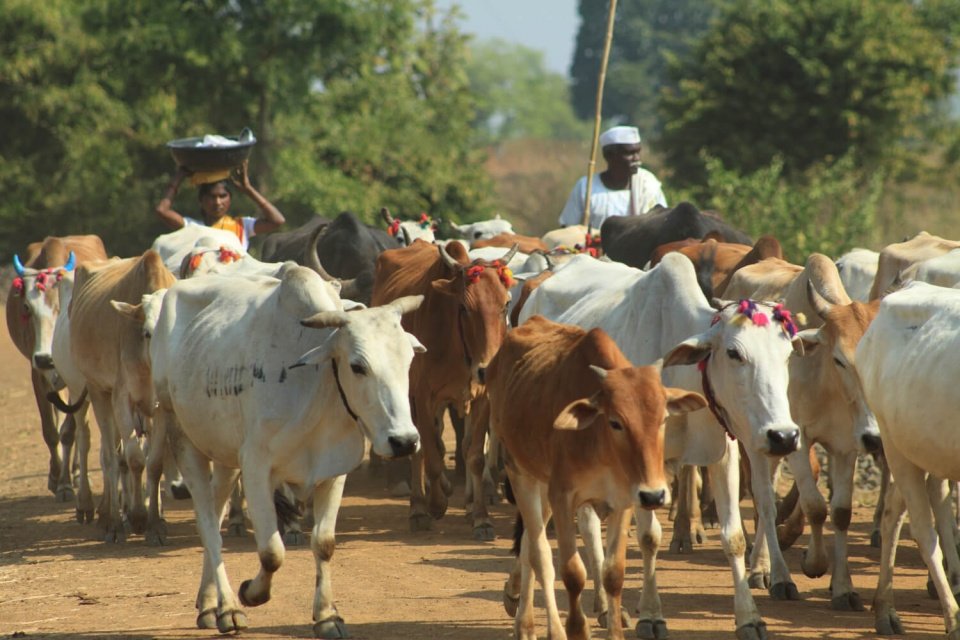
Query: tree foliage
[355, 105]
[807, 80]
[645, 33]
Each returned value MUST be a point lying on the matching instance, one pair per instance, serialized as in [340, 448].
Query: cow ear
[325, 320]
[680, 401]
[416, 344]
[578, 415]
[446, 287]
[806, 341]
[129, 311]
[690, 351]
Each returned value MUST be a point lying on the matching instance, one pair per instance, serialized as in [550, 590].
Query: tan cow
[33, 303]
[461, 323]
[580, 425]
[112, 354]
[898, 257]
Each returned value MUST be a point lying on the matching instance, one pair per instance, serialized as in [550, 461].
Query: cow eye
[616, 424]
[358, 369]
[733, 354]
[477, 234]
[839, 363]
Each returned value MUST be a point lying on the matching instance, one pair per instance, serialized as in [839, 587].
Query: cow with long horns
[33, 303]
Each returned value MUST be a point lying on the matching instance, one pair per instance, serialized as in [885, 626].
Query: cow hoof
[681, 545]
[624, 620]
[816, 568]
[228, 621]
[759, 580]
[784, 591]
[252, 601]
[156, 533]
[888, 624]
[332, 628]
[697, 534]
[115, 534]
[438, 507]
[179, 491]
[932, 590]
[207, 619]
[875, 539]
[420, 522]
[510, 602]
[137, 520]
[753, 631]
[847, 602]
[64, 494]
[652, 630]
[484, 532]
[295, 538]
[84, 516]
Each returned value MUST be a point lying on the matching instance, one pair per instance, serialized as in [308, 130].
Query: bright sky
[546, 25]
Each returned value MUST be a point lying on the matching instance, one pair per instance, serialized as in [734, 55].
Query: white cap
[620, 135]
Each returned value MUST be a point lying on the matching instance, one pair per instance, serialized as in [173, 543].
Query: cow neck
[718, 412]
[343, 396]
[461, 312]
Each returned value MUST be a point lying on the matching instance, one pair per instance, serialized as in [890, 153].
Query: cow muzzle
[782, 441]
[652, 499]
[406, 446]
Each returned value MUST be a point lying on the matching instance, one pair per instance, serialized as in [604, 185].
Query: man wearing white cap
[623, 189]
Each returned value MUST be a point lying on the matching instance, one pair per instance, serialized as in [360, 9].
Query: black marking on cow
[258, 373]
[283, 375]
[229, 382]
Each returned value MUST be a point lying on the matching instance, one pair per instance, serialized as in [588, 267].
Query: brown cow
[525, 244]
[33, 303]
[580, 425]
[461, 323]
[112, 354]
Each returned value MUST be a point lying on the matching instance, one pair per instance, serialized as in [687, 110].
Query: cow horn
[820, 304]
[717, 304]
[71, 262]
[658, 365]
[508, 256]
[406, 236]
[311, 259]
[447, 258]
[385, 214]
[600, 371]
[17, 265]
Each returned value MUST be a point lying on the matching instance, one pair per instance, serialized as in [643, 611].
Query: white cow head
[484, 229]
[745, 357]
[39, 305]
[833, 345]
[406, 231]
[370, 355]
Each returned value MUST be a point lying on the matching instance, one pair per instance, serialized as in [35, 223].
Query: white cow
[943, 271]
[174, 246]
[273, 379]
[406, 231]
[484, 229]
[648, 314]
[858, 269]
[908, 366]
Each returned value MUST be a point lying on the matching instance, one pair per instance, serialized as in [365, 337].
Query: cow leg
[156, 527]
[651, 624]
[420, 520]
[459, 422]
[940, 499]
[878, 510]
[842, 468]
[236, 525]
[478, 423]
[109, 512]
[435, 468]
[725, 480]
[48, 424]
[588, 522]
[614, 570]
[791, 516]
[263, 515]
[815, 562]
[84, 494]
[912, 482]
[572, 571]
[767, 550]
[133, 460]
[885, 618]
[217, 605]
[326, 504]
[535, 555]
[688, 527]
[67, 437]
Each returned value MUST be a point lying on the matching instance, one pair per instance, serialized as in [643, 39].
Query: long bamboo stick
[591, 166]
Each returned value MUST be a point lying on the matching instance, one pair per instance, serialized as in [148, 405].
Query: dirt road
[58, 581]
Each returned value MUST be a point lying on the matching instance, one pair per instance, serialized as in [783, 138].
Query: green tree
[356, 105]
[517, 97]
[805, 80]
[645, 33]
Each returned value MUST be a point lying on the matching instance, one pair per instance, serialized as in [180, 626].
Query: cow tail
[58, 402]
[287, 511]
[517, 535]
[508, 491]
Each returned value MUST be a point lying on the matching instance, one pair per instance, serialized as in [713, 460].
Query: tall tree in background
[645, 33]
[807, 80]
[356, 105]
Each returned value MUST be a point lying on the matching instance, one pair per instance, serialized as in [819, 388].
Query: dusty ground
[58, 581]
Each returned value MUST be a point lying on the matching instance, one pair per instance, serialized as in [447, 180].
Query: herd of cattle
[685, 345]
